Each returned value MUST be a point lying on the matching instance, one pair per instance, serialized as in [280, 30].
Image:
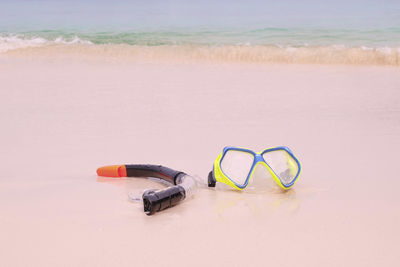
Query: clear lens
[283, 164]
[236, 165]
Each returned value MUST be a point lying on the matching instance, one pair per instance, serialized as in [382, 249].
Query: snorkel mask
[236, 166]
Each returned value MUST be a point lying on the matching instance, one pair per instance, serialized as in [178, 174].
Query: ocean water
[348, 32]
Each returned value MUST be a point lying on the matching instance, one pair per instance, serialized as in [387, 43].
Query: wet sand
[61, 119]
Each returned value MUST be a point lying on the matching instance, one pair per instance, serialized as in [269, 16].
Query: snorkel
[182, 185]
[234, 167]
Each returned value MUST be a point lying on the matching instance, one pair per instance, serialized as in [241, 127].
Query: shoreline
[264, 55]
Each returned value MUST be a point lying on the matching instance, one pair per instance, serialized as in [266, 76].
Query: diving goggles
[236, 166]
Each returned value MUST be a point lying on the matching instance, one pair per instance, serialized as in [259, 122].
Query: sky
[159, 14]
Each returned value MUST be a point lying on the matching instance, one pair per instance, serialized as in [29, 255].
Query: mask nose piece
[261, 180]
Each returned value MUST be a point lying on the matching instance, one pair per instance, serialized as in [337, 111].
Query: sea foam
[14, 42]
[306, 54]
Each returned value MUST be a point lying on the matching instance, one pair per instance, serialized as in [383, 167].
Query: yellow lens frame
[220, 176]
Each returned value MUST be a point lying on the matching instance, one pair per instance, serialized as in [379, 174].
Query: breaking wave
[13, 42]
[333, 54]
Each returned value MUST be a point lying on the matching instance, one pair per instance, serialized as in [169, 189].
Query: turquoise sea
[371, 26]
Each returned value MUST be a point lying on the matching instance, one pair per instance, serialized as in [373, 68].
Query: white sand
[61, 119]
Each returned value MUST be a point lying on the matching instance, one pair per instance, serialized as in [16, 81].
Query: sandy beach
[61, 118]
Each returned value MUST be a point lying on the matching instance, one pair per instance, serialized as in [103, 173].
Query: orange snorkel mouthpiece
[112, 171]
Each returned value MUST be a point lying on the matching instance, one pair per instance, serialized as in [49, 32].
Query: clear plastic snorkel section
[242, 168]
[158, 200]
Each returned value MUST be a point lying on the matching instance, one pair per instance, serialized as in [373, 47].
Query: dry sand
[61, 119]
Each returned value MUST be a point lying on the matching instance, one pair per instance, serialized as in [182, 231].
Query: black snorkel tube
[182, 185]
